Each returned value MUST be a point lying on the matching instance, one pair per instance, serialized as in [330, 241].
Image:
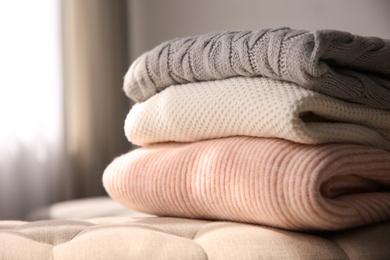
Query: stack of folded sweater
[286, 128]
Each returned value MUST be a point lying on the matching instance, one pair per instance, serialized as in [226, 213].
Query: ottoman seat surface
[179, 238]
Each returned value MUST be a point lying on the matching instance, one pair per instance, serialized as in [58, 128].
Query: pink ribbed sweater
[256, 180]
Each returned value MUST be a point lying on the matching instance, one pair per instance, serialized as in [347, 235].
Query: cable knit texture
[335, 63]
[259, 107]
[256, 180]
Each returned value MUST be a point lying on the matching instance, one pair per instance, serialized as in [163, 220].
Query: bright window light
[31, 120]
[30, 75]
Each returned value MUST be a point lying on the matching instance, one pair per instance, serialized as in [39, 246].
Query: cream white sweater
[259, 107]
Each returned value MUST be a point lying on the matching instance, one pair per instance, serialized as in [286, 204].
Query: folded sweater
[256, 180]
[335, 63]
[259, 107]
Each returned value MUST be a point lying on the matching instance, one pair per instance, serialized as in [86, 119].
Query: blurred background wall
[80, 60]
[154, 21]
[95, 59]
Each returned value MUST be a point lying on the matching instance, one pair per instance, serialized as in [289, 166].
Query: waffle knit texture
[259, 107]
[335, 63]
[256, 180]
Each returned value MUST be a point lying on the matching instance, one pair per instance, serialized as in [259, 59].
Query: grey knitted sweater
[338, 64]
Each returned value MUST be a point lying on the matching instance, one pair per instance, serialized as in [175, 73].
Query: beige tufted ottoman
[175, 238]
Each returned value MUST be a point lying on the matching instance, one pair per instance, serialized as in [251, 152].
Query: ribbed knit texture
[335, 63]
[256, 180]
[259, 107]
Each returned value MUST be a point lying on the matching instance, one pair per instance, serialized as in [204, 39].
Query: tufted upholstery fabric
[176, 238]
